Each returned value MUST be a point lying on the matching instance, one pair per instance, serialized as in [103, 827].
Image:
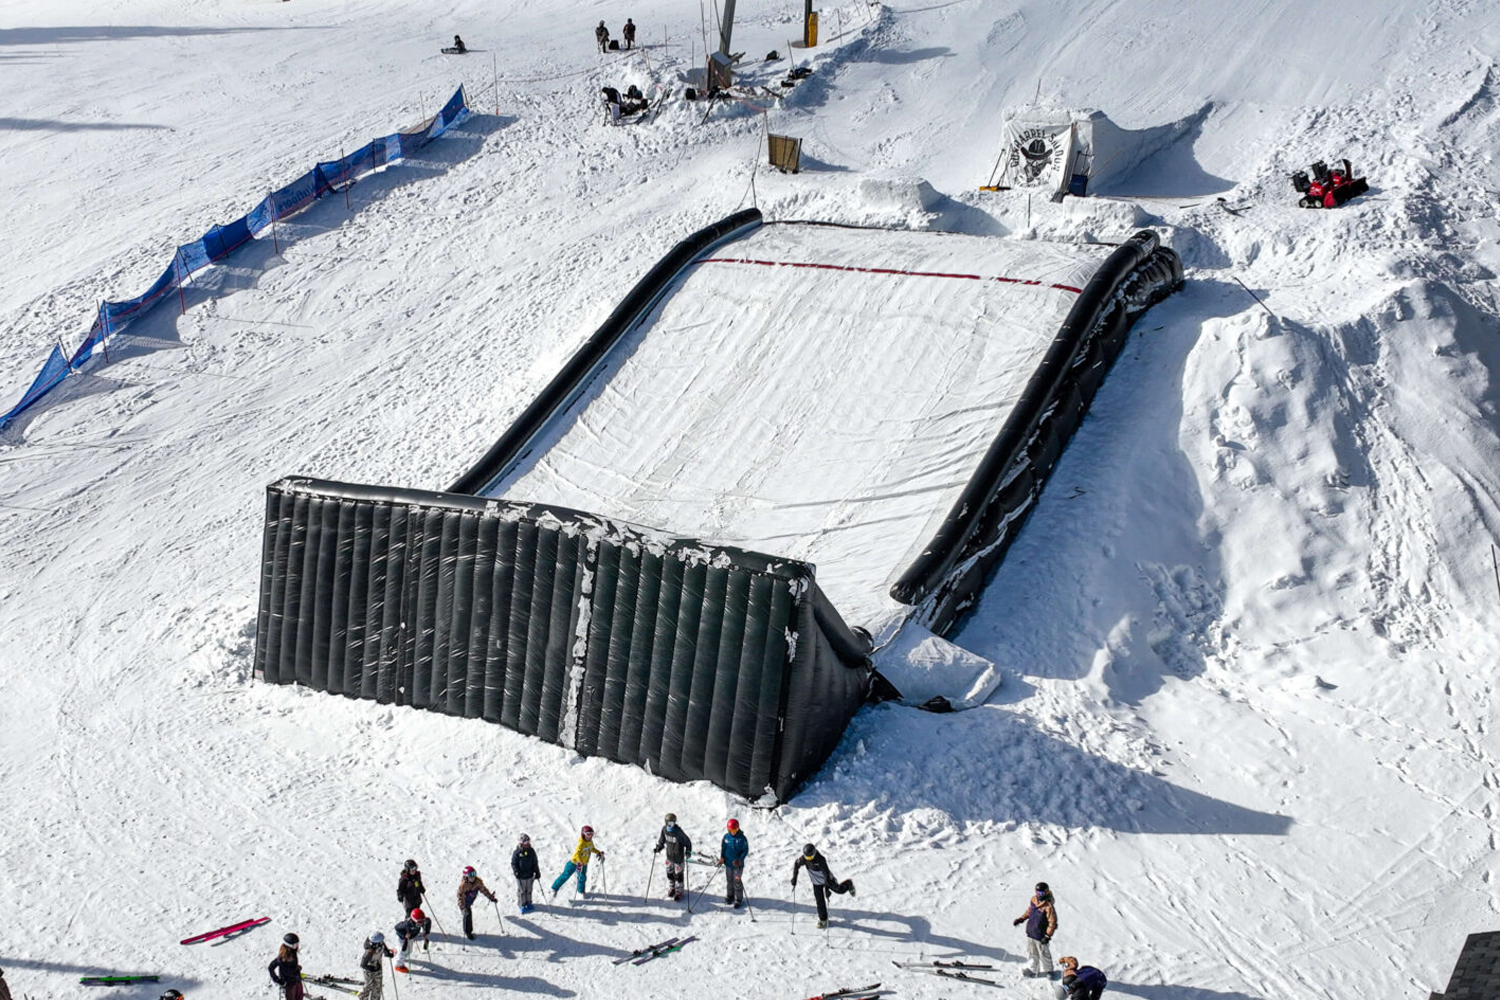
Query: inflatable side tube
[954, 536]
[569, 383]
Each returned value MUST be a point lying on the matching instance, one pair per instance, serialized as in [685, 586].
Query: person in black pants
[409, 887]
[823, 881]
[527, 869]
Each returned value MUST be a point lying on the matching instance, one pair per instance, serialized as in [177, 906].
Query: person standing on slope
[409, 887]
[373, 964]
[679, 847]
[823, 881]
[733, 850]
[601, 35]
[407, 931]
[1040, 919]
[629, 32]
[1081, 982]
[286, 970]
[527, 870]
[579, 862]
[469, 889]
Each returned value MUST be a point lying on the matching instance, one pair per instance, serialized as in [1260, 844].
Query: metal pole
[275, 240]
[344, 173]
[104, 332]
[390, 965]
[181, 299]
[1496, 561]
[650, 874]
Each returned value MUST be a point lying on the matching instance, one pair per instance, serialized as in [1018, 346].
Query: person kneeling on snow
[823, 881]
[1081, 982]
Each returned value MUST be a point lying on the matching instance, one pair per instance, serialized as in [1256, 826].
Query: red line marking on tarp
[886, 270]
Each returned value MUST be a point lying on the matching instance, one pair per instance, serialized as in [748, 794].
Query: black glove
[794, 883]
[1018, 921]
[1047, 939]
[656, 849]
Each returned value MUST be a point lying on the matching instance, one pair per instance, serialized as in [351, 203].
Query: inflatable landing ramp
[786, 436]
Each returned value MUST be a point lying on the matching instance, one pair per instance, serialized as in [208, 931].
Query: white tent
[1060, 151]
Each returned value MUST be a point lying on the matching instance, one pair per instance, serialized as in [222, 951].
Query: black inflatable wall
[691, 660]
[945, 580]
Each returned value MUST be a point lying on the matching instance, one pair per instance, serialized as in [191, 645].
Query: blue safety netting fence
[221, 241]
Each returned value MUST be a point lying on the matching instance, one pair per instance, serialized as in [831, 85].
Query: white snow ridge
[1232, 683]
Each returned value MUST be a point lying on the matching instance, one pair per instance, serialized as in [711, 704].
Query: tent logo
[1034, 152]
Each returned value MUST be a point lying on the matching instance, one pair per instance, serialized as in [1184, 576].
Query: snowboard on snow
[451, 51]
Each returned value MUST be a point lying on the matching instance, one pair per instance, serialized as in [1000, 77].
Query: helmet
[733, 825]
[587, 832]
[808, 850]
[671, 818]
[1042, 890]
[411, 865]
[171, 995]
[469, 871]
[291, 941]
[417, 914]
[377, 938]
[525, 838]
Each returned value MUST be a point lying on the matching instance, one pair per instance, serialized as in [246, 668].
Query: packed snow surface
[1249, 636]
[814, 392]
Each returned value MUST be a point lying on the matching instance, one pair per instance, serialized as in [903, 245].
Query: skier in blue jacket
[732, 853]
[1081, 982]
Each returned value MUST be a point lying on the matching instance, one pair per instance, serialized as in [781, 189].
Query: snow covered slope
[1247, 728]
[817, 393]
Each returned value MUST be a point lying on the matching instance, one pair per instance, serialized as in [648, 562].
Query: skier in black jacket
[823, 881]
[527, 869]
[679, 847]
[409, 887]
[286, 970]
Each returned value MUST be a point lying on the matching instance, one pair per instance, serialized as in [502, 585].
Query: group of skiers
[1079, 982]
[601, 36]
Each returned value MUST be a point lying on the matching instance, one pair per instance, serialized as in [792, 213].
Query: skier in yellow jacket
[579, 862]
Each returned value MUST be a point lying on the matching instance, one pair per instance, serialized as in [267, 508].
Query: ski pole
[704, 889]
[650, 874]
[791, 902]
[426, 911]
[394, 991]
[496, 904]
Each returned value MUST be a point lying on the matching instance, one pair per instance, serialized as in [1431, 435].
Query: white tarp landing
[1061, 151]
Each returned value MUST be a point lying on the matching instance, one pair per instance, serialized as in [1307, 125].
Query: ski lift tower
[720, 76]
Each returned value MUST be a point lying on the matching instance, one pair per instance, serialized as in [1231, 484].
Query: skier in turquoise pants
[579, 862]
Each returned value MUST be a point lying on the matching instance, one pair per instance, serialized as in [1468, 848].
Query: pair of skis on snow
[243, 925]
[870, 992]
[334, 983]
[959, 971]
[643, 955]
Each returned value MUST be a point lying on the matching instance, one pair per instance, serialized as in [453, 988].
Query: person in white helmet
[373, 962]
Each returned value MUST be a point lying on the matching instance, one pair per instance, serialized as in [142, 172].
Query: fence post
[103, 331]
[271, 203]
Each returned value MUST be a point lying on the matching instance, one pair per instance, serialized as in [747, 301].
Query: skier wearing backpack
[733, 850]
[822, 878]
[409, 887]
[372, 962]
[286, 970]
[629, 32]
[601, 35]
[470, 887]
[1081, 982]
[579, 862]
[407, 931]
[1040, 919]
[527, 870]
[679, 847]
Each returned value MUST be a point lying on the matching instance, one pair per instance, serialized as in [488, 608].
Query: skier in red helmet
[733, 850]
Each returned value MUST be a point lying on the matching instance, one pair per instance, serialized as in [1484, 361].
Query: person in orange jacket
[1040, 919]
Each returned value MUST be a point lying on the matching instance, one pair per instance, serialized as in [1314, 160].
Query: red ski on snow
[241, 926]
